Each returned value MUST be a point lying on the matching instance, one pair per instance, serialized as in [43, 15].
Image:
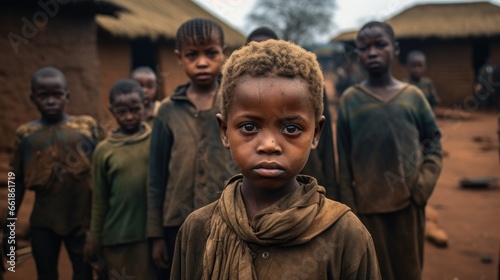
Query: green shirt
[119, 207]
[389, 150]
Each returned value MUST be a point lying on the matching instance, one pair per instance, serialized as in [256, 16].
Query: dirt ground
[471, 217]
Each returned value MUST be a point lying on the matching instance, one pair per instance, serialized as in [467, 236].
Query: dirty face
[50, 97]
[270, 129]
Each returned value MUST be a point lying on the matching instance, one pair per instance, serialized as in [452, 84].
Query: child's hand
[160, 256]
[91, 249]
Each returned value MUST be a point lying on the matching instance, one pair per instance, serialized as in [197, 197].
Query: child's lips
[268, 172]
[269, 169]
[373, 64]
[52, 111]
[203, 76]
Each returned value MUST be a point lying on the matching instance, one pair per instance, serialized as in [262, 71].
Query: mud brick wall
[115, 62]
[66, 41]
[449, 65]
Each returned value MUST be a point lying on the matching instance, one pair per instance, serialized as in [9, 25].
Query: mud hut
[95, 43]
[144, 34]
[41, 33]
[457, 39]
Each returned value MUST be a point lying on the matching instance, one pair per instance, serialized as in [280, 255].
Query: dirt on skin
[470, 217]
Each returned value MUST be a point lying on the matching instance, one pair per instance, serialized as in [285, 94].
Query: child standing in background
[389, 155]
[146, 77]
[321, 162]
[271, 222]
[416, 63]
[188, 163]
[119, 206]
[52, 158]
[261, 34]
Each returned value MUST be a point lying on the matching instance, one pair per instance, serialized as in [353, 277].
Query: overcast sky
[348, 15]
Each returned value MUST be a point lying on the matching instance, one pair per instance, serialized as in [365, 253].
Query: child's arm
[159, 157]
[100, 203]
[359, 258]
[432, 94]
[346, 192]
[98, 133]
[430, 141]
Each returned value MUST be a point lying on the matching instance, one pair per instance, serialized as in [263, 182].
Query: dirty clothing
[54, 161]
[321, 161]
[188, 163]
[427, 86]
[152, 111]
[120, 170]
[390, 160]
[389, 151]
[119, 207]
[399, 241]
[130, 261]
[46, 248]
[303, 235]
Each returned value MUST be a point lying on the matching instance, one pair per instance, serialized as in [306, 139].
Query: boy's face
[202, 63]
[148, 83]
[50, 96]
[375, 49]
[270, 130]
[416, 66]
[128, 110]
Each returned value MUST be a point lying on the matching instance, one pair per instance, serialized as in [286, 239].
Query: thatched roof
[345, 36]
[159, 19]
[79, 7]
[444, 21]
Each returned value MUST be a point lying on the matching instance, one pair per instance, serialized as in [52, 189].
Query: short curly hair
[272, 58]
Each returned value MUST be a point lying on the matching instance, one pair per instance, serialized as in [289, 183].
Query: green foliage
[298, 21]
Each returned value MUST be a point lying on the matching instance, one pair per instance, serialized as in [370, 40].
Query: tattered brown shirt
[54, 161]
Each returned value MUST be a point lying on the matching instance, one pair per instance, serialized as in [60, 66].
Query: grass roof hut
[144, 34]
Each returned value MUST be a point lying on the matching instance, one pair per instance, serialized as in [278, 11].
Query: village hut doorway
[144, 53]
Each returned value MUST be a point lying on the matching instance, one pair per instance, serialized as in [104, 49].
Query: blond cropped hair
[272, 58]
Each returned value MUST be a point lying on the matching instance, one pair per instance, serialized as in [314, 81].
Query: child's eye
[135, 109]
[212, 53]
[381, 45]
[120, 112]
[58, 94]
[191, 55]
[362, 48]
[248, 128]
[292, 129]
[41, 95]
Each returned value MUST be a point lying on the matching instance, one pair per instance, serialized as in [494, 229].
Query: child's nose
[268, 144]
[202, 61]
[50, 100]
[129, 116]
[372, 51]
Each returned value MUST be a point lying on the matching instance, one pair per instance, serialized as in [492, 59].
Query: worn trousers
[46, 247]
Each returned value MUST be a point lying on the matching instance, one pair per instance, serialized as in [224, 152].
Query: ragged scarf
[294, 219]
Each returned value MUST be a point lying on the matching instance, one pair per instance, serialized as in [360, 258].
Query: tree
[298, 21]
